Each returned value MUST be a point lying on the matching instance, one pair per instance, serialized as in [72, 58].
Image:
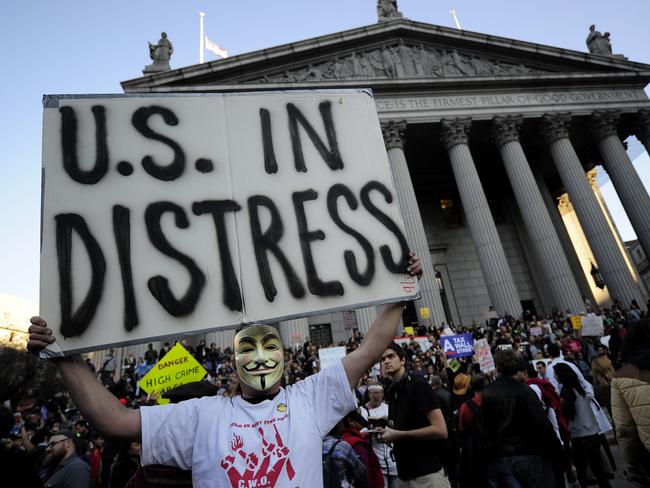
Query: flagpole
[201, 39]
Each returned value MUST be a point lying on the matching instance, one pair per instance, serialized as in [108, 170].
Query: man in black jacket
[418, 425]
[517, 437]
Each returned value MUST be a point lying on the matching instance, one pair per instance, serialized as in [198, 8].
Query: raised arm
[102, 410]
[379, 335]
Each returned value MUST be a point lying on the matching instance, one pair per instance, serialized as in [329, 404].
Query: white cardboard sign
[177, 214]
[330, 355]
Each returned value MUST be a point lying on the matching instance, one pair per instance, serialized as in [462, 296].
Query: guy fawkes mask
[259, 356]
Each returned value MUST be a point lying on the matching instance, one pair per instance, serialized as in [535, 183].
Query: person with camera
[376, 413]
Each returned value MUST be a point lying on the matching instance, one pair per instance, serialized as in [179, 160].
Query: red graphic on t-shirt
[258, 474]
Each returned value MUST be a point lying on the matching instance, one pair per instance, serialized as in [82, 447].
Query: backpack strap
[331, 451]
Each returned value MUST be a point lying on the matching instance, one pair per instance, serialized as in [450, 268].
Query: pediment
[395, 51]
[396, 60]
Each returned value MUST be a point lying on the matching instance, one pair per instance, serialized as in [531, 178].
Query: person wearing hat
[461, 391]
[353, 423]
[66, 469]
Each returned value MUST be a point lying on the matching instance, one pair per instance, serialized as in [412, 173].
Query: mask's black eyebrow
[269, 336]
[247, 340]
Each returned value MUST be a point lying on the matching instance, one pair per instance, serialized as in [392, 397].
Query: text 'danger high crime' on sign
[175, 214]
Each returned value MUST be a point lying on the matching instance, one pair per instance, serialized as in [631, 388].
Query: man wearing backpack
[341, 465]
[552, 402]
[472, 465]
[516, 435]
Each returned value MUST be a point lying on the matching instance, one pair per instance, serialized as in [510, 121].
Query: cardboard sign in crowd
[175, 214]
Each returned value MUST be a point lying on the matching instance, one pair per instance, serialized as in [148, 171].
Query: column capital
[455, 131]
[642, 129]
[394, 132]
[555, 126]
[604, 123]
[506, 128]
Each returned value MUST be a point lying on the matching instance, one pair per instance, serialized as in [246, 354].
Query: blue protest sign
[457, 346]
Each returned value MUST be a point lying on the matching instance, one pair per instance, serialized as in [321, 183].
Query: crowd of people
[543, 417]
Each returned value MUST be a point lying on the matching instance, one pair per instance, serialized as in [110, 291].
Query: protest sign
[576, 322]
[484, 355]
[536, 331]
[592, 325]
[409, 330]
[184, 213]
[175, 368]
[329, 355]
[457, 346]
[454, 365]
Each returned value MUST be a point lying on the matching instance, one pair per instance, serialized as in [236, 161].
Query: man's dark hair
[537, 363]
[396, 348]
[507, 362]
[553, 350]
[478, 382]
[637, 343]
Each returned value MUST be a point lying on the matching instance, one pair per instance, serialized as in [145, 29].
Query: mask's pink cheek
[243, 359]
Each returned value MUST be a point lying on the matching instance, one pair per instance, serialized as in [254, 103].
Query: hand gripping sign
[176, 214]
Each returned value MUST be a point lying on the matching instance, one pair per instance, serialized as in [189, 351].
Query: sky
[86, 46]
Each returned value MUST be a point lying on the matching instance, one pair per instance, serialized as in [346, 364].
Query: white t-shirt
[228, 442]
[383, 451]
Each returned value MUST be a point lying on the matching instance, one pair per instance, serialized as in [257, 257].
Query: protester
[585, 443]
[602, 372]
[418, 423]
[631, 403]
[376, 413]
[353, 423]
[472, 458]
[249, 436]
[519, 440]
[342, 467]
[65, 468]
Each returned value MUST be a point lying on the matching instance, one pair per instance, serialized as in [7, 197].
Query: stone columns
[642, 130]
[394, 137]
[536, 218]
[492, 258]
[365, 318]
[620, 169]
[555, 129]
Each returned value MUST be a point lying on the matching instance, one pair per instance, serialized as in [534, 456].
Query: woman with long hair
[585, 444]
[602, 372]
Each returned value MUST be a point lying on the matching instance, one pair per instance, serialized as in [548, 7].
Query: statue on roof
[598, 43]
[387, 9]
[160, 53]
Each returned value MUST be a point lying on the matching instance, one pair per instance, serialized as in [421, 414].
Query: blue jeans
[520, 472]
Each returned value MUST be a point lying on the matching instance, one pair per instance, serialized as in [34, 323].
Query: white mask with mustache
[259, 356]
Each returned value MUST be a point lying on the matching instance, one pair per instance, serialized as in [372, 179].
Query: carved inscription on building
[514, 99]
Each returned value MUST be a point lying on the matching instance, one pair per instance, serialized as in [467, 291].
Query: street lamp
[597, 276]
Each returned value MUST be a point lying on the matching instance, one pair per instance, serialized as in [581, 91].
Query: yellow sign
[175, 368]
[409, 330]
[424, 312]
[454, 365]
[576, 321]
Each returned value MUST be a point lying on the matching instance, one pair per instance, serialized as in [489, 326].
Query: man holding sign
[268, 435]
[273, 186]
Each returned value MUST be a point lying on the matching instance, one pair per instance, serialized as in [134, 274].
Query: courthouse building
[493, 145]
